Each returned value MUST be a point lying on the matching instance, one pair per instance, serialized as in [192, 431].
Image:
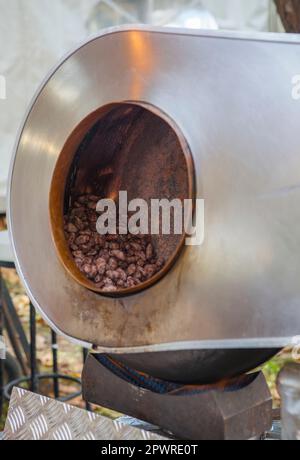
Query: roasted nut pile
[112, 262]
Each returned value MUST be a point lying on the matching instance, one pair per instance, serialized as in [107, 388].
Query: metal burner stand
[213, 415]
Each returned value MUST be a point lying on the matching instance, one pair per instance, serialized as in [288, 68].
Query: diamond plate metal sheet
[35, 417]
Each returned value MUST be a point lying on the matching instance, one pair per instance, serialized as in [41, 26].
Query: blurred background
[35, 34]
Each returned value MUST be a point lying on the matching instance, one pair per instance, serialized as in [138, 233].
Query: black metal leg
[14, 327]
[15, 331]
[34, 381]
[34, 378]
[1, 360]
[55, 364]
[85, 355]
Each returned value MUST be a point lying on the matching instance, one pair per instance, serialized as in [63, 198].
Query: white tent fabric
[6, 254]
[35, 34]
[259, 15]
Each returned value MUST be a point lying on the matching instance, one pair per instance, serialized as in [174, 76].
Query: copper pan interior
[127, 147]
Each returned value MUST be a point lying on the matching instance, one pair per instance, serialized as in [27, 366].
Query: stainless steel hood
[231, 97]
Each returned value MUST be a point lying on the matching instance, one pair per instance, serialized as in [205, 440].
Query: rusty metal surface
[214, 415]
[231, 97]
[144, 156]
[32, 417]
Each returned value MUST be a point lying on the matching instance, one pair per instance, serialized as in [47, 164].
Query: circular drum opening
[129, 148]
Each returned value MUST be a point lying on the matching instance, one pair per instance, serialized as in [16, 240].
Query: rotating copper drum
[169, 114]
[125, 147]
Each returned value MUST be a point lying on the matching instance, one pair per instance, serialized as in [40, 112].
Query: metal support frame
[26, 352]
[34, 383]
[15, 330]
[55, 364]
